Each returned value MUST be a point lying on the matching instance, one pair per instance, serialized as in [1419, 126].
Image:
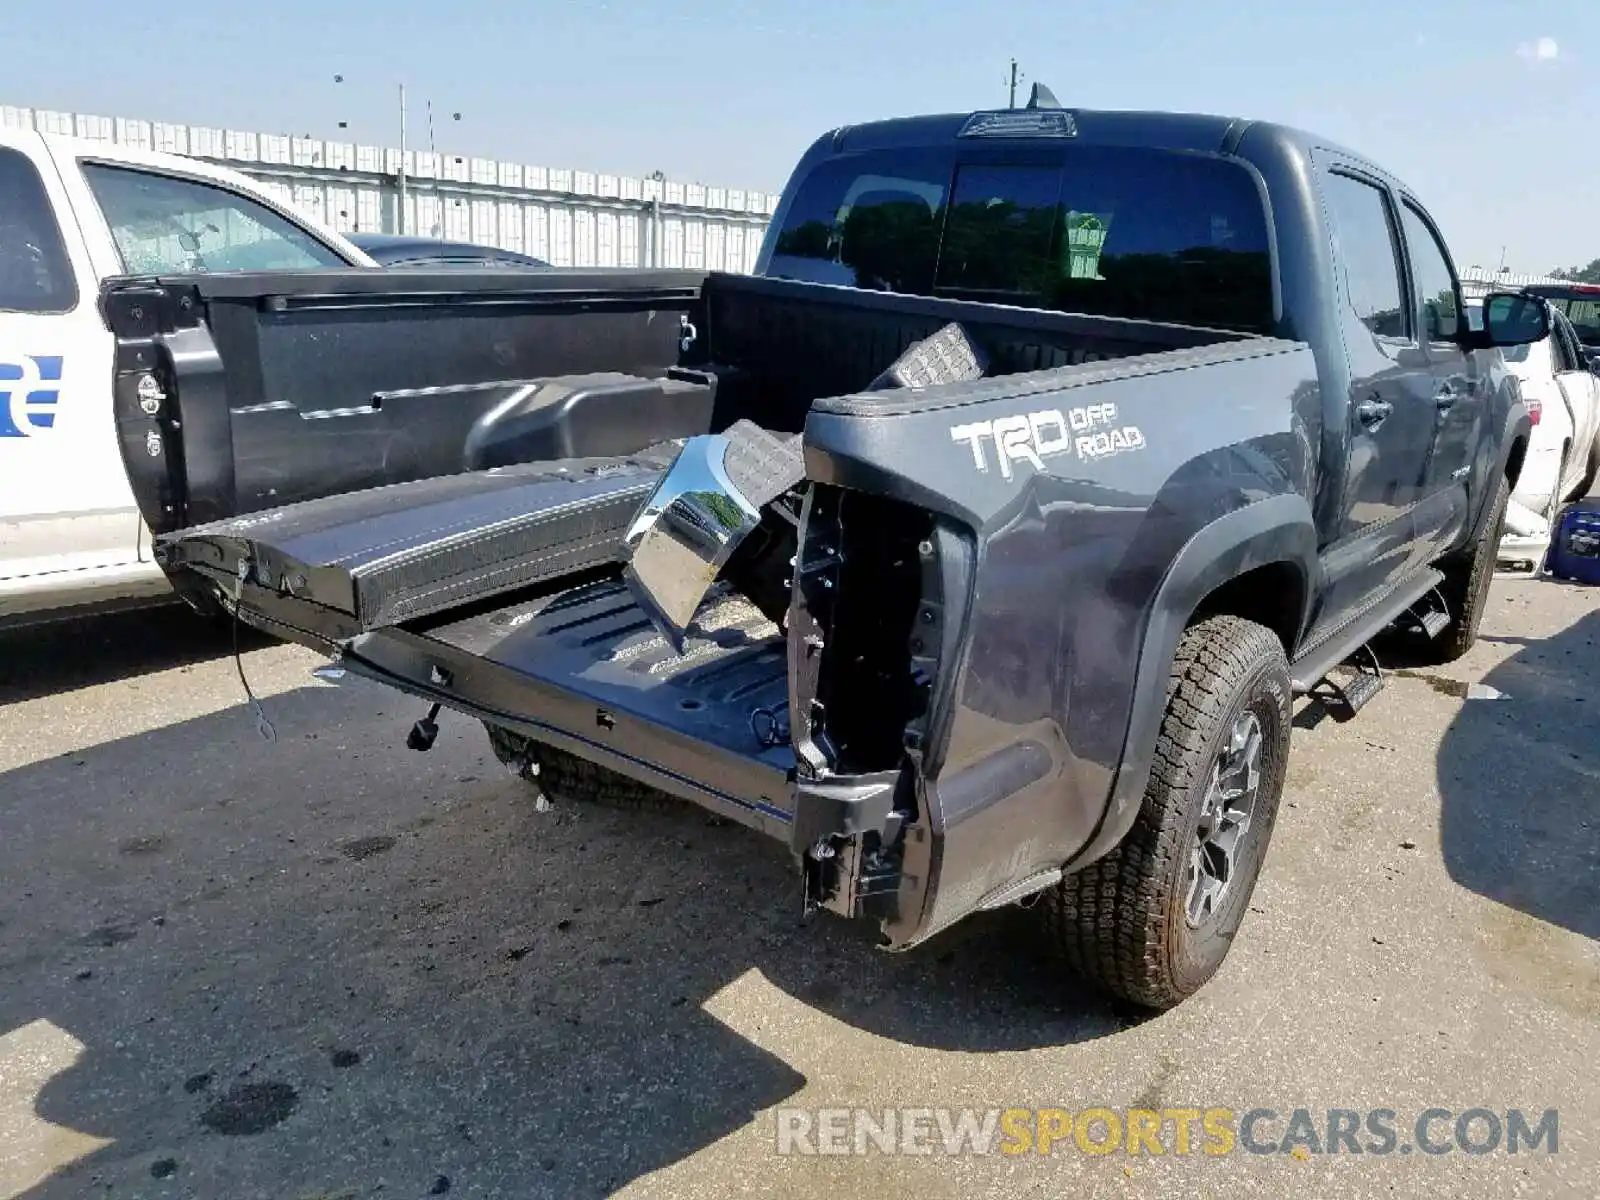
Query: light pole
[660, 178]
[438, 230]
[402, 221]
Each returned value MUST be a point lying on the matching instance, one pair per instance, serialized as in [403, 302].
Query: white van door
[1578, 388]
[65, 502]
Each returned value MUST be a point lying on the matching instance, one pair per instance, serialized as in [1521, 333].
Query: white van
[73, 213]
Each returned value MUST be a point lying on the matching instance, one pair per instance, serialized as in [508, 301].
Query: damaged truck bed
[501, 593]
[964, 601]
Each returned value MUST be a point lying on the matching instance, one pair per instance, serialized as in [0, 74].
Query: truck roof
[1195, 132]
[1180, 131]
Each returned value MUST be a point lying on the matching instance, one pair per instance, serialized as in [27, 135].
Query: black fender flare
[1279, 529]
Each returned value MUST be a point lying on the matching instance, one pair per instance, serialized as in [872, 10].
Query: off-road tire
[1121, 922]
[562, 776]
[1467, 577]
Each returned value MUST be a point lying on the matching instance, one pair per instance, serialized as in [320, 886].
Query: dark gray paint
[1077, 569]
[1061, 593]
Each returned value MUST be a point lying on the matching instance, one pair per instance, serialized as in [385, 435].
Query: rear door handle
[1452, 389]
[1373, 413]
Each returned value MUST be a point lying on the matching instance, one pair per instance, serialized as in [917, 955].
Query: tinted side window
[1370, 254]
[1436, 283]
[35, 272]
[868, 221]
[162, 223]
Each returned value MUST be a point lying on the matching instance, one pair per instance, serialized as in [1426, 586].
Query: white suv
[1562, 392]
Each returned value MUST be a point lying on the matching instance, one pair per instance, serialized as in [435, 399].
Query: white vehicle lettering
[1114, 441]
[973, 435]
[1012, 444]
[1095, 414]
[1060, 443]
[1048, 434]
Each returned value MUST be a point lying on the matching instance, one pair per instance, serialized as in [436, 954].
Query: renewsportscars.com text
[1300, 1132]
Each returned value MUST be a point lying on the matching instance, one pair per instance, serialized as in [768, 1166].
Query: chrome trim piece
[684, 535]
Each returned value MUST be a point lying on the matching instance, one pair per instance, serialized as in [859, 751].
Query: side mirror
[1511, 319]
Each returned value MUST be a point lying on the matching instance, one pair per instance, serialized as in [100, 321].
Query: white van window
[162, 223]
[35, 272]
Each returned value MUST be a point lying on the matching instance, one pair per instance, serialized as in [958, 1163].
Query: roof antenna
[1042, 97]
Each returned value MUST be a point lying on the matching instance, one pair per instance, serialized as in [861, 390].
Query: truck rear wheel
[1152, 921]
[1466, 581]
[565, 776]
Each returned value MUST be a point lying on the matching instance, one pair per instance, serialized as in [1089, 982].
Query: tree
[1589, 274]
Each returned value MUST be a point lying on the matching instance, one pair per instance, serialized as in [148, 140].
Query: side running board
[1314, 663]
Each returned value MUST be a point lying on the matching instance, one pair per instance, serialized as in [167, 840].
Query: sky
[1485, 107]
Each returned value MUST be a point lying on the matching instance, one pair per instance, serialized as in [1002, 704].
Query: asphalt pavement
[326, 966]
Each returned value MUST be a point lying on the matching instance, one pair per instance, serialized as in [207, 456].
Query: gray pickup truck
[1049, 455]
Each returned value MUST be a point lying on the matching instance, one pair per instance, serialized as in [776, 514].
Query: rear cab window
[35, 271]
[1134, 232]
[869, 221]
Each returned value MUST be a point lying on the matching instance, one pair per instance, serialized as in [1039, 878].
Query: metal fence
[1477, 282]
[568, 217]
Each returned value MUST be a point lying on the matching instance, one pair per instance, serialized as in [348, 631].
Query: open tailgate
[327, 570]
[434, 588]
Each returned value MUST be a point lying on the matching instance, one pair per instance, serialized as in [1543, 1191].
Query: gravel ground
[329, 967]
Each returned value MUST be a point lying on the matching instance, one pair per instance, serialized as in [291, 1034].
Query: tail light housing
[1535, 408]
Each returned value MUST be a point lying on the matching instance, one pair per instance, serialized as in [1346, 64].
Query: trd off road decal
[1089, 432]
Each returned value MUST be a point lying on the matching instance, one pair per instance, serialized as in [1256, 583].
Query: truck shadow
[1519, 778]
[393, 967]
[45, 660]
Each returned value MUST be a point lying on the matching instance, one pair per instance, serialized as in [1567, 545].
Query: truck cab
[72, 214]
[1278, 232]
